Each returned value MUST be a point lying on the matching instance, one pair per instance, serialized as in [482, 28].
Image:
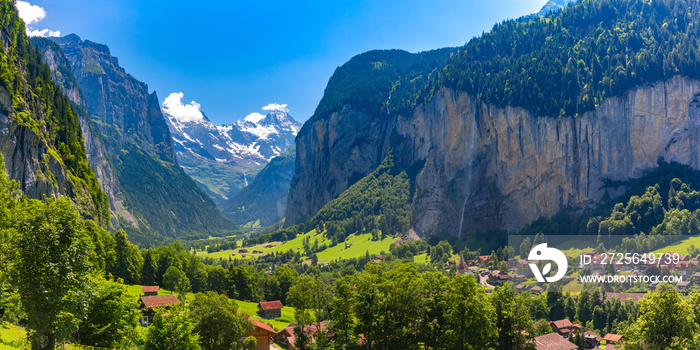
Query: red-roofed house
[270, 309]
[553, 341]
[288, 337]
[613, 338]
[263, 333]
[148, 302]
[150, 290]
[562, 327]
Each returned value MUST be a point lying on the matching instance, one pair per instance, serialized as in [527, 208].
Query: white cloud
[31, 14]
[254, 117]
[43, 32]
[276, 107]
[182, 112]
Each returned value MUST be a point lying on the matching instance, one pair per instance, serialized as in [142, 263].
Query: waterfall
[469, 167]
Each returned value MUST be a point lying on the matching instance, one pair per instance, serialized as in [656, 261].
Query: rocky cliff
[40, 137]
[488, 167]
[129, 145]
[95, 149]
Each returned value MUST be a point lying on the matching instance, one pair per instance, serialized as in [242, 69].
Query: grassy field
[251, 309]
[248, 308]
[360, 244]
[12, 337]
[681, 247]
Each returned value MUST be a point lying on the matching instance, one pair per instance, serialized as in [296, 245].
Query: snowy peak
[252, 141]
[553, 6]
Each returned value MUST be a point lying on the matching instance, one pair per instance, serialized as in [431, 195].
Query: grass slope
[360, 245]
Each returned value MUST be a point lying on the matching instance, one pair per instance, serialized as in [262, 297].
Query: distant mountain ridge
[223, 159]
[252, 141]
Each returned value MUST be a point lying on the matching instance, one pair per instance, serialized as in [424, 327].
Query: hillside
[151, 196]
[616, 79]
[40, 136]
[263, 202]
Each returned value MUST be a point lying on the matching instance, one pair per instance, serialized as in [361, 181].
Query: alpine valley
[388, 219]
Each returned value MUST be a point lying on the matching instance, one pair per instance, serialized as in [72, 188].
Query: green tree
[471, 320]
[287, 277]
[513, 322]
[172, 330]
[110, 316]
[53, 269]
[176, 280]
[217, 321]
[664, 322]
[148, 270]
[302, 298]
[10, 197]
[129, 260]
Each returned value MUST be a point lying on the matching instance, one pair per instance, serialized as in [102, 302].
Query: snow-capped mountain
[554, 5]
[252, 141]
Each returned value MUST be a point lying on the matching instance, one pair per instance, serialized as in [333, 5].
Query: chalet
[270, 309]
[536, 290]
[685, 285]
[498, 277]
[243, 250]
[521, 288]
[592, 339]
[148, 302]
[696, 278]
[150, 290]
[563, 327]
[553, 341]
[484, 260]
[613, 339]
[263, 333]
[288, 337]
[270, 246]
[522, 267]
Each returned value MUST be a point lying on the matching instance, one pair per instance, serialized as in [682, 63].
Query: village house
[288, 337]
[483, 260]
[263, 333]
[270, 309]
[553, 341]
[536, 290]
[613, 339]
[592, 339]
[148, 302]
[522, 267]
[150, 290]
[563, 327]
[498, 277]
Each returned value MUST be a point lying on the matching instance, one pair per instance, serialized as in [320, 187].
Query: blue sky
[234, 57]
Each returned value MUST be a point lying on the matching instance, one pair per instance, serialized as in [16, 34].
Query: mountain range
[222, 159]
[128, 143]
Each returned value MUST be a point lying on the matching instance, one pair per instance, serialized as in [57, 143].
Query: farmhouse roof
[159, 300]
[553, 341]
[150, 289]
[271, 305]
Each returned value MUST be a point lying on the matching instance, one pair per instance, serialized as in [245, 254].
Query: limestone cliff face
[122, 105]
[95, 149]
[487, 167]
